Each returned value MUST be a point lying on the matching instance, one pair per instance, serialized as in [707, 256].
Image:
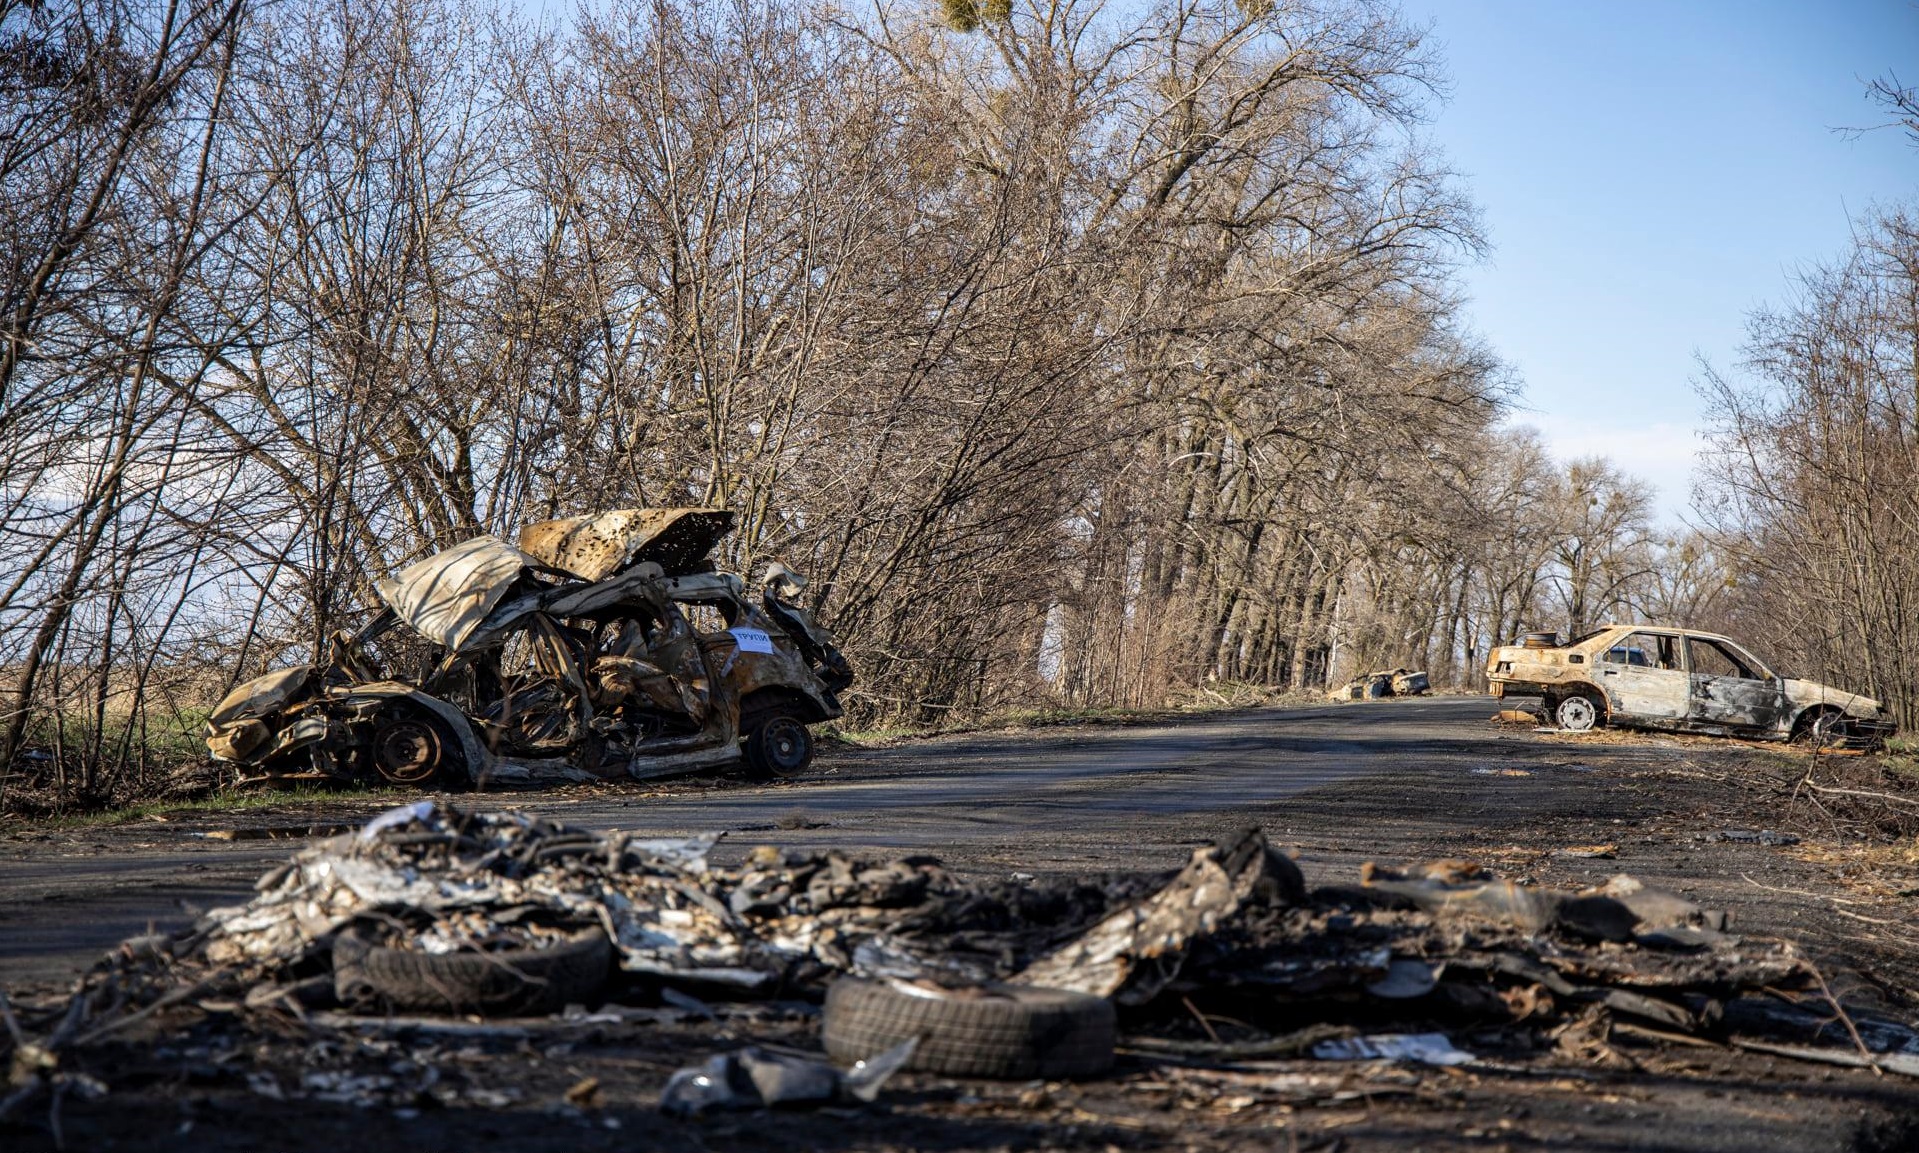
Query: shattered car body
[577, 651]
[1681, 680]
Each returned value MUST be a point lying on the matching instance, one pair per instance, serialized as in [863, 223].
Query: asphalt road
[1340, 784]
[1078, 799]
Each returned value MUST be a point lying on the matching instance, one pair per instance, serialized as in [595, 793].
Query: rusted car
[1644, 676]
[600, 646]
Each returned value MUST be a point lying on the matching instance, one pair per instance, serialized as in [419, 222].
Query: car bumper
[1866, 732]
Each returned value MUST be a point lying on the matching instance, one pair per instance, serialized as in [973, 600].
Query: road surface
[1068, 799]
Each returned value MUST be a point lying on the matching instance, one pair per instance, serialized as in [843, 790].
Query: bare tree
[1094, 354]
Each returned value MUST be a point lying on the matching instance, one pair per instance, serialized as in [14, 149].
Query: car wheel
[410, 749]
[778, 747]
[1822, 729]
[1576, 714]
[530, 981]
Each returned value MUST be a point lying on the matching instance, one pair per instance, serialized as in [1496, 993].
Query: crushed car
[1681, 680]
[598, 647]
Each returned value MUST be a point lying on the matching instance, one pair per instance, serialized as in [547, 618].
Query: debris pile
[1238, 918]
[429, 909]
[437, 881]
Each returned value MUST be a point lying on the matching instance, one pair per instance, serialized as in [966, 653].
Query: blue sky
[1649, 174]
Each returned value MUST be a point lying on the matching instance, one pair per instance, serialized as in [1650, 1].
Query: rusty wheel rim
[406, 752]
[1577, 714]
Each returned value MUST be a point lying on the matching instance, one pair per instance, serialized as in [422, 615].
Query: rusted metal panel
[1641, 676]
[1635, 692]
[594, 548]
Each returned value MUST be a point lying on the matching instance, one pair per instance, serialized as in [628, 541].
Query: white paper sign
[752, 640]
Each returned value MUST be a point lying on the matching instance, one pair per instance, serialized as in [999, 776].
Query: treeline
[1091, 354]
[1814, 478]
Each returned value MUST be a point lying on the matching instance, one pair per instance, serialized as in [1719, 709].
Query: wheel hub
[406, 752]
[1577, 714]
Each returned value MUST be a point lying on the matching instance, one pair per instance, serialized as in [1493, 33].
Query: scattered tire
[510, 982]
[408, 747]
[780, 746]
[1576, 714]
[1003, 1031]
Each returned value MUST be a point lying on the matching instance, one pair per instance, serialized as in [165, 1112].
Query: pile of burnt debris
[485, 920]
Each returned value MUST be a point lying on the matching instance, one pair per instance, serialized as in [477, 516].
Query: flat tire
[367, 975]
[1012, 1032]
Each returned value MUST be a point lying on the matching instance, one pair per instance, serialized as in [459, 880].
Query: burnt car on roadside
[1681, 680]
[598, 647]
[1383, 683]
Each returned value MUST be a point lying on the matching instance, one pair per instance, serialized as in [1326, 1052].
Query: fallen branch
[1887, 797]
[1650, 1034]
[1845, 1018]
[1286, 1045]
[1795, 892]
[1902, 1063]
[165, 1001]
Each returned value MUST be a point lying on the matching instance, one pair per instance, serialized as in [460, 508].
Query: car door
[1642, 675]
[1729, 689]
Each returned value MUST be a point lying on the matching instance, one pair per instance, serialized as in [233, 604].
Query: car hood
[262, 695]
[447, 596]
[1802, 693]
[593, 548]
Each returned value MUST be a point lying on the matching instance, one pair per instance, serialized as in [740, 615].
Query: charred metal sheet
[1136, 952]
[445, 597]
[1642, 676]
[594, 548]
[262, 694]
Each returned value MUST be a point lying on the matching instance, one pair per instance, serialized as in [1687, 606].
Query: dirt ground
[1388, 781]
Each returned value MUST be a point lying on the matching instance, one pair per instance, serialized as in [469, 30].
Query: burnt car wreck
[1641, 676]
[599, 647]
[1383, 683]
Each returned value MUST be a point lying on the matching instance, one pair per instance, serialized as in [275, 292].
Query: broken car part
[754, 1078]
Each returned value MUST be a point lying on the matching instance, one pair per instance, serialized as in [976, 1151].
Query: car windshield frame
[1765, 670]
